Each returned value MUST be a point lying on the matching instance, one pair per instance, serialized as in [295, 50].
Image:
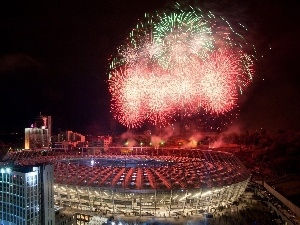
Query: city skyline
[54, 60]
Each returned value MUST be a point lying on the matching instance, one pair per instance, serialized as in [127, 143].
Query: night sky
[54, 60]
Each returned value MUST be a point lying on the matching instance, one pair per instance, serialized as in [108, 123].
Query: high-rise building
[26, 195]
[39, 134]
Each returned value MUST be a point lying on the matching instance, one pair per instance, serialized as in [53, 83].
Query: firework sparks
[183, 61]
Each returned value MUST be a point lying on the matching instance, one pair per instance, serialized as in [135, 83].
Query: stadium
[150, 183]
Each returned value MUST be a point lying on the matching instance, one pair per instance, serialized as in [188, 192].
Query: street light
[141, 146]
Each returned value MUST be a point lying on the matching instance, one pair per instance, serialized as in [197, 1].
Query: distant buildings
[101, 142]
[39, 134]
[67, 140]
[26, 195]
[70, 136]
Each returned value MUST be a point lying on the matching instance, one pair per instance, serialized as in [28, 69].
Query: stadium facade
[149, 184]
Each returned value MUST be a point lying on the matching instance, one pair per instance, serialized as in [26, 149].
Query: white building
[26, 195]
[39, 134]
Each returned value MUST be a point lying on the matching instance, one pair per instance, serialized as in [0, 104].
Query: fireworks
[178, 63]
